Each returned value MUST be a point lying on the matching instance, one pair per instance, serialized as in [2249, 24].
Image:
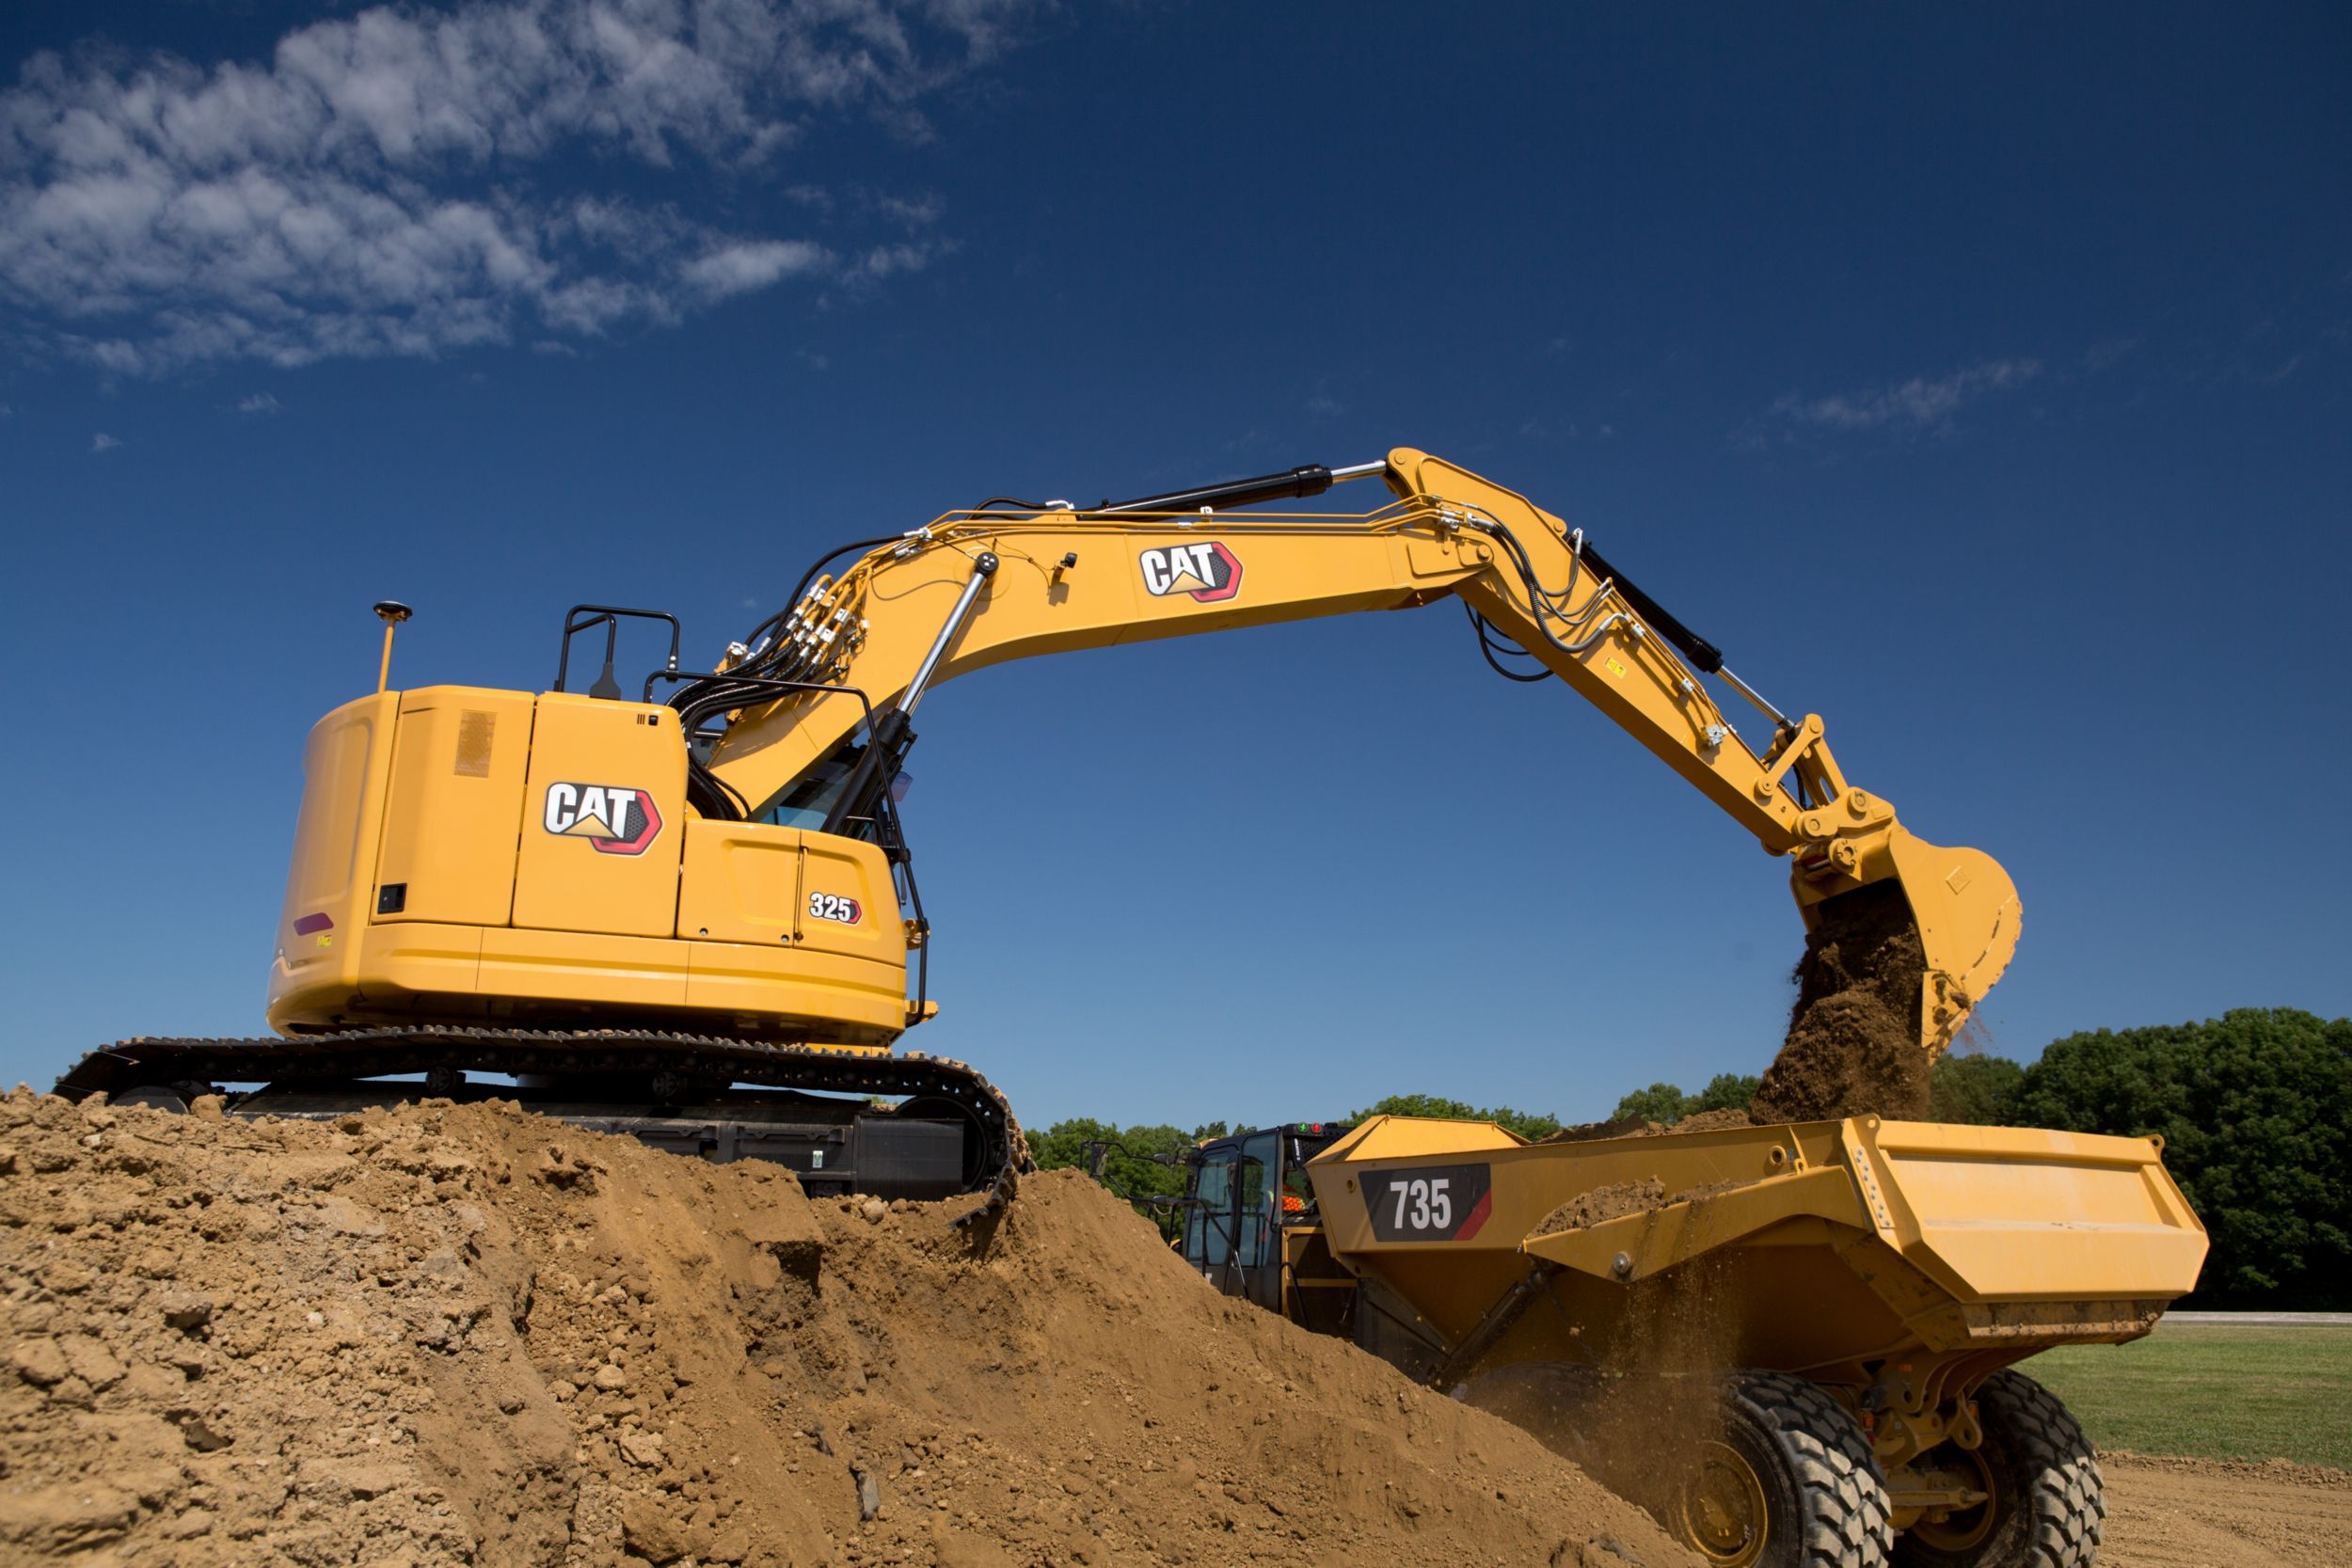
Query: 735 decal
[1429, 1203]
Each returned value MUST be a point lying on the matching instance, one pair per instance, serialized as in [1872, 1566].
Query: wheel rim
[1962, 1529]
[1720, 1508]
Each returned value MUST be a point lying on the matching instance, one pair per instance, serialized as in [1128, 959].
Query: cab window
[1209, 1220]
[1259, 1157]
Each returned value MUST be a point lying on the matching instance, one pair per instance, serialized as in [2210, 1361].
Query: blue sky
[1981, 382]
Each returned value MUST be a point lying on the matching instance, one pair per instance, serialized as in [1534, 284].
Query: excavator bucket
[1967, 912]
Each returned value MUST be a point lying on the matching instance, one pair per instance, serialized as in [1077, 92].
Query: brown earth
[440, 1335]
[1709, 1121]
[1851, 1047]
[1602, 1204]
[2224, 1514]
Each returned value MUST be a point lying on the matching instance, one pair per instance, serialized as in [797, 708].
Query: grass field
[2216, 1391]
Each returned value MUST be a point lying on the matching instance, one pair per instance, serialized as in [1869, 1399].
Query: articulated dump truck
[1796, 1345]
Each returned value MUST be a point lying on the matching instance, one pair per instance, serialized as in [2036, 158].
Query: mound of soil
[1852, 1047]
[1604, 1203]
[462, 1335]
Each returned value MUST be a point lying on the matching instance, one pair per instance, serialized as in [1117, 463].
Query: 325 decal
[838, 907]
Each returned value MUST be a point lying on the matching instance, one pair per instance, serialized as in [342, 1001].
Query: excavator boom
[978, 587]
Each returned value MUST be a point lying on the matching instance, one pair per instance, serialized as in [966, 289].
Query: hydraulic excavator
[677, 912]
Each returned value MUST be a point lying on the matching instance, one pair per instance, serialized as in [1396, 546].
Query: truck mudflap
[306, 1072]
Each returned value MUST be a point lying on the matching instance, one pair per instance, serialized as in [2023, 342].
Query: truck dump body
[1750, 1328]
[1853, 1239]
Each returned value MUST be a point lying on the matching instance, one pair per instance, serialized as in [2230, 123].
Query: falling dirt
[444, 1335]
[1851, 1047]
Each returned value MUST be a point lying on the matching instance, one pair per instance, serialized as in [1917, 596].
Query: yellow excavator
[686, 912]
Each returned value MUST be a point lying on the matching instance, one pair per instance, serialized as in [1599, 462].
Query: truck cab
[1251, 1227]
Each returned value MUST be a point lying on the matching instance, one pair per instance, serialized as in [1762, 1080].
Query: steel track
[561, 1055]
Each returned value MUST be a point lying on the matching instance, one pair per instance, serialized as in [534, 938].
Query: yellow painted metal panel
[602, 811]
[739, 882]
[838, 998]
[589, 969]
[849, 905]
[406, 959]
[1399, 1137]
[456, 802]
[345, 768]
[2029, 1214]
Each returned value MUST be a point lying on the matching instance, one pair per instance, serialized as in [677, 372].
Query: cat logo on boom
[614, 820]
[1207, 571]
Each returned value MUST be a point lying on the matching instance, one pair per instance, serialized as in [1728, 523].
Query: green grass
[2213, 1391]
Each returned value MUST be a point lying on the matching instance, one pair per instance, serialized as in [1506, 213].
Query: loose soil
[447, 1335]
[1852, 1047]
[2223, 1513]
[1602, 1204]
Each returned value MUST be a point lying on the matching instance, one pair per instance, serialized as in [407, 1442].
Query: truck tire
[2048, 1502]
[1789, 1481]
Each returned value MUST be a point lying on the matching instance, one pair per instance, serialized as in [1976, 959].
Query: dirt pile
[1604, 1203]
[1852, 1047]
[461, 1335]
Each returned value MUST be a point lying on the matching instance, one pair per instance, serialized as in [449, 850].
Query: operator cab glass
[1254, 1243]
[808, 802]
[1209, 1220]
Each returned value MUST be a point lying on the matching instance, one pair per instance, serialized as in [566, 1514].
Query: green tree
[1975, 1089]
[1661, 1103]
[1725, 1091]
[1526, 1124]
[1130, 1170]
[2256, 1110]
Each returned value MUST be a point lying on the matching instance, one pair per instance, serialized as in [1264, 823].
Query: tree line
[2254, 1107]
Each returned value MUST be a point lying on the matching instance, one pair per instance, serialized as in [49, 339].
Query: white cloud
[102, 442]
[395, 183]
[913, 212]
[886, 260]
[1921, 404]
[742, 266]
[260, 402]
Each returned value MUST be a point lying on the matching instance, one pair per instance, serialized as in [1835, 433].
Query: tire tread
[1851, 1521]
[2070, 1503]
